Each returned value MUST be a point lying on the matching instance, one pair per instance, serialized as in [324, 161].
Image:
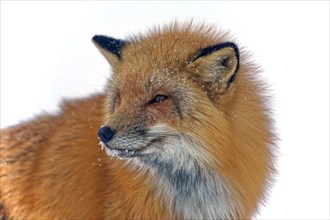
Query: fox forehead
[161, 54]
[162, 81]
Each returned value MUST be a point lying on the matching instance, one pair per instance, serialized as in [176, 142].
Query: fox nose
[106, 134]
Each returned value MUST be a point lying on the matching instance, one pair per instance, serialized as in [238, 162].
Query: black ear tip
[208, 50]
[110, 44]
[232, 45]
[94, 39]
[99, 39]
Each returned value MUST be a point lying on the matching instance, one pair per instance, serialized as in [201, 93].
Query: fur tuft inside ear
[217, 66]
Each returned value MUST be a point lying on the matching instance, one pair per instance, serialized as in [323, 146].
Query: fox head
[159, 85]
[176, 103]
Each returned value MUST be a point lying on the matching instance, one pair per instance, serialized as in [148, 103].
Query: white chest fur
[188, 189]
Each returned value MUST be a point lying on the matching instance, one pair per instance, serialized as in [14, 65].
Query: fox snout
[124, 143]
[106, 135]
[135, 140]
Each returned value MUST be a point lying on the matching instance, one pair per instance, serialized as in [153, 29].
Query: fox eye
[157, 98]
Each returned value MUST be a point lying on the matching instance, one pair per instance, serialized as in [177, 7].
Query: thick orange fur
[52, 167]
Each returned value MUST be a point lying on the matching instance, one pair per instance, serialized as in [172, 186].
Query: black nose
[105, 133]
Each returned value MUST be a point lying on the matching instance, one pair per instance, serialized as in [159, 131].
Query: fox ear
[109, 47]
[218, 66]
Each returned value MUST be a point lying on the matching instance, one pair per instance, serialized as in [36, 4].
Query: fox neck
[190, 191]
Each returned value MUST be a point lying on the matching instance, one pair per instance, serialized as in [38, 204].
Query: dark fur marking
[110, 44]
[181, 101]
[2, 213]
[185, 182]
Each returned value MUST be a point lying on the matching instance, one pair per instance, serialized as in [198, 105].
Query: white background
[47, 54]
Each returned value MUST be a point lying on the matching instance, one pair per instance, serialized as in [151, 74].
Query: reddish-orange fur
[49, 173]
[52, 167]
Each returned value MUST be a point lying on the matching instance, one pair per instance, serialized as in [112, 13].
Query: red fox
[184, 128]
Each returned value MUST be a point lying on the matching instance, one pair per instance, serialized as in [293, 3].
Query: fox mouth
[125, 153]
